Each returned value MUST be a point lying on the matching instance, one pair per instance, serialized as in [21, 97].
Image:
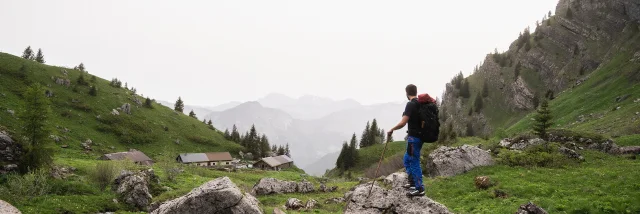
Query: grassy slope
[597, 96]
[82, 116]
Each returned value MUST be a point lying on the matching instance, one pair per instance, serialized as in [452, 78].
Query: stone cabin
[274, 163]
[136, 156]
[208, 159]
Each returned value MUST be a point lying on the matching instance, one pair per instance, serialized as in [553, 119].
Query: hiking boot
[415, 193]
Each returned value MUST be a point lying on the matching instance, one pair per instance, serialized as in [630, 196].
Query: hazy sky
[213, 52]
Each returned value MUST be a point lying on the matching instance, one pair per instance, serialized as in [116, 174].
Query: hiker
[420, 110]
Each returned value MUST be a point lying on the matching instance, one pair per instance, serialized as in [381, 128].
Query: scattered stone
[177, 141]
[48, 93]
[87, 145]
[622, 98]
[571, 153]
[216, 196]
[137, 101]
[55, 138]
[10, 167]
[64, 146]
[322, 188]
[526, 144]
[126, 108]
[396, 179]
[634, 150]
[278, 211]
[11, 112]
[389, 201]
[293, 204]
[7, 208]
[333, 189]
[66, 130]
[500, 193]
[530, 208]
[448, 161]
[482, 182]
[505, 142]
[133, 190]
[61, 172]
[10, 150]
[268, 186]
[637, 113]
[616, 108]
[112, 147]
[310, 204]
[334, 201]
[637, 100]
[115, 112]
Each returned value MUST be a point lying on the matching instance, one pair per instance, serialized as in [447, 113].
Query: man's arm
[400, 125]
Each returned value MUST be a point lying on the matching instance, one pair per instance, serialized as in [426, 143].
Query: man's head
[411, 90]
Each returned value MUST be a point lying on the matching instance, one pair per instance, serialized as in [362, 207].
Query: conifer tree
[365, 136]
[40, 56]
[37, 152]
[352, 159]
[192, 114]
[81, 67]
[28, 53]
[209, 123]
[179, 106]
[227, 135]
[341, 157]
[148, 103]
[478, 103]
[235, 135]
[81, 80]
[373, 133]
[464, 90]
[281, 150]
[93, 91]
[274, 149]
[287, 151]
[542, 120]
[264, 146]
[536, 99]
[382, 136]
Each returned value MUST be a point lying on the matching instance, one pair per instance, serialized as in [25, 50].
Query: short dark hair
[412, 90]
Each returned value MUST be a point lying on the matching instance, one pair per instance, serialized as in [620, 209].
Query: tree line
[371, 135]
[256, 144]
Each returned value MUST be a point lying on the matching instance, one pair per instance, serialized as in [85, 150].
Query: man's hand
[390, 132]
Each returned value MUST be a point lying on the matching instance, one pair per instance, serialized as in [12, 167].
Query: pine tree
[209, 123]
[365, 136]
[274, 149]
[542, 120]
[464, 91]
[341, 157]
[373, 133]
[485, 88]
[382, 136]
[179, 106]
[352, 158]
[28, 53]
[287, 151]
[81, 80]
[264, 145]
[37, 152]
[227, 135]
[469, 130]
[536, 99]
[478, 104]
[281, 150]
[148, 103]
[192, 114]
[40, 56]
[235, 135]
[81, 67]
[93, 91]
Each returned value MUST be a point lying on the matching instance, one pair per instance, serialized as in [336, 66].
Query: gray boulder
[133, 190]
[570, 153]
[334, 201]
[389, 201]
[633, 150]
[448, 161]
[505, 142]
[310, 204]
[528, 143]
[268, 186]
[530, 208]
[10, 152]
[216, 196]
[126, 108]
[6, 208]
[293, 204]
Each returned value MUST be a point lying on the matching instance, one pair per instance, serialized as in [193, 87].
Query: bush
[30, 185]
[546, 155]
[64, 187]
[388, 166]
[104, 173]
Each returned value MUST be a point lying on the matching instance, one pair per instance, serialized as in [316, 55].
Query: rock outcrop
[389, 201]
[216, 196]
[530, 208]
[10, 152]
[268, 186]
[448, 161]
[293, 204]
[133, 189]
[6, 208]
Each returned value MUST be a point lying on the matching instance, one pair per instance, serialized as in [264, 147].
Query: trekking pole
[379, 162]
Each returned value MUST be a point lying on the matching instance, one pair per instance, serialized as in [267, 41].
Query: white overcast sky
[212, 52]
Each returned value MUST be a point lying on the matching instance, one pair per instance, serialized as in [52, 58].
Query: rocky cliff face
[561, 53]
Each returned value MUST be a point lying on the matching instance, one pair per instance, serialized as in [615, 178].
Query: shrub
[30, 185]
[546, 155]
[105, 172]
[63, 187]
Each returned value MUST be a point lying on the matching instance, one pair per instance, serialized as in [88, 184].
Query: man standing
[414, 143]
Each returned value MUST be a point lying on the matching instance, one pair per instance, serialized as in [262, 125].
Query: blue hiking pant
[412, 161]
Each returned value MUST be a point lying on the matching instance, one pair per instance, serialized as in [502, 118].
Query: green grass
[629, 140]
[603, 184]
